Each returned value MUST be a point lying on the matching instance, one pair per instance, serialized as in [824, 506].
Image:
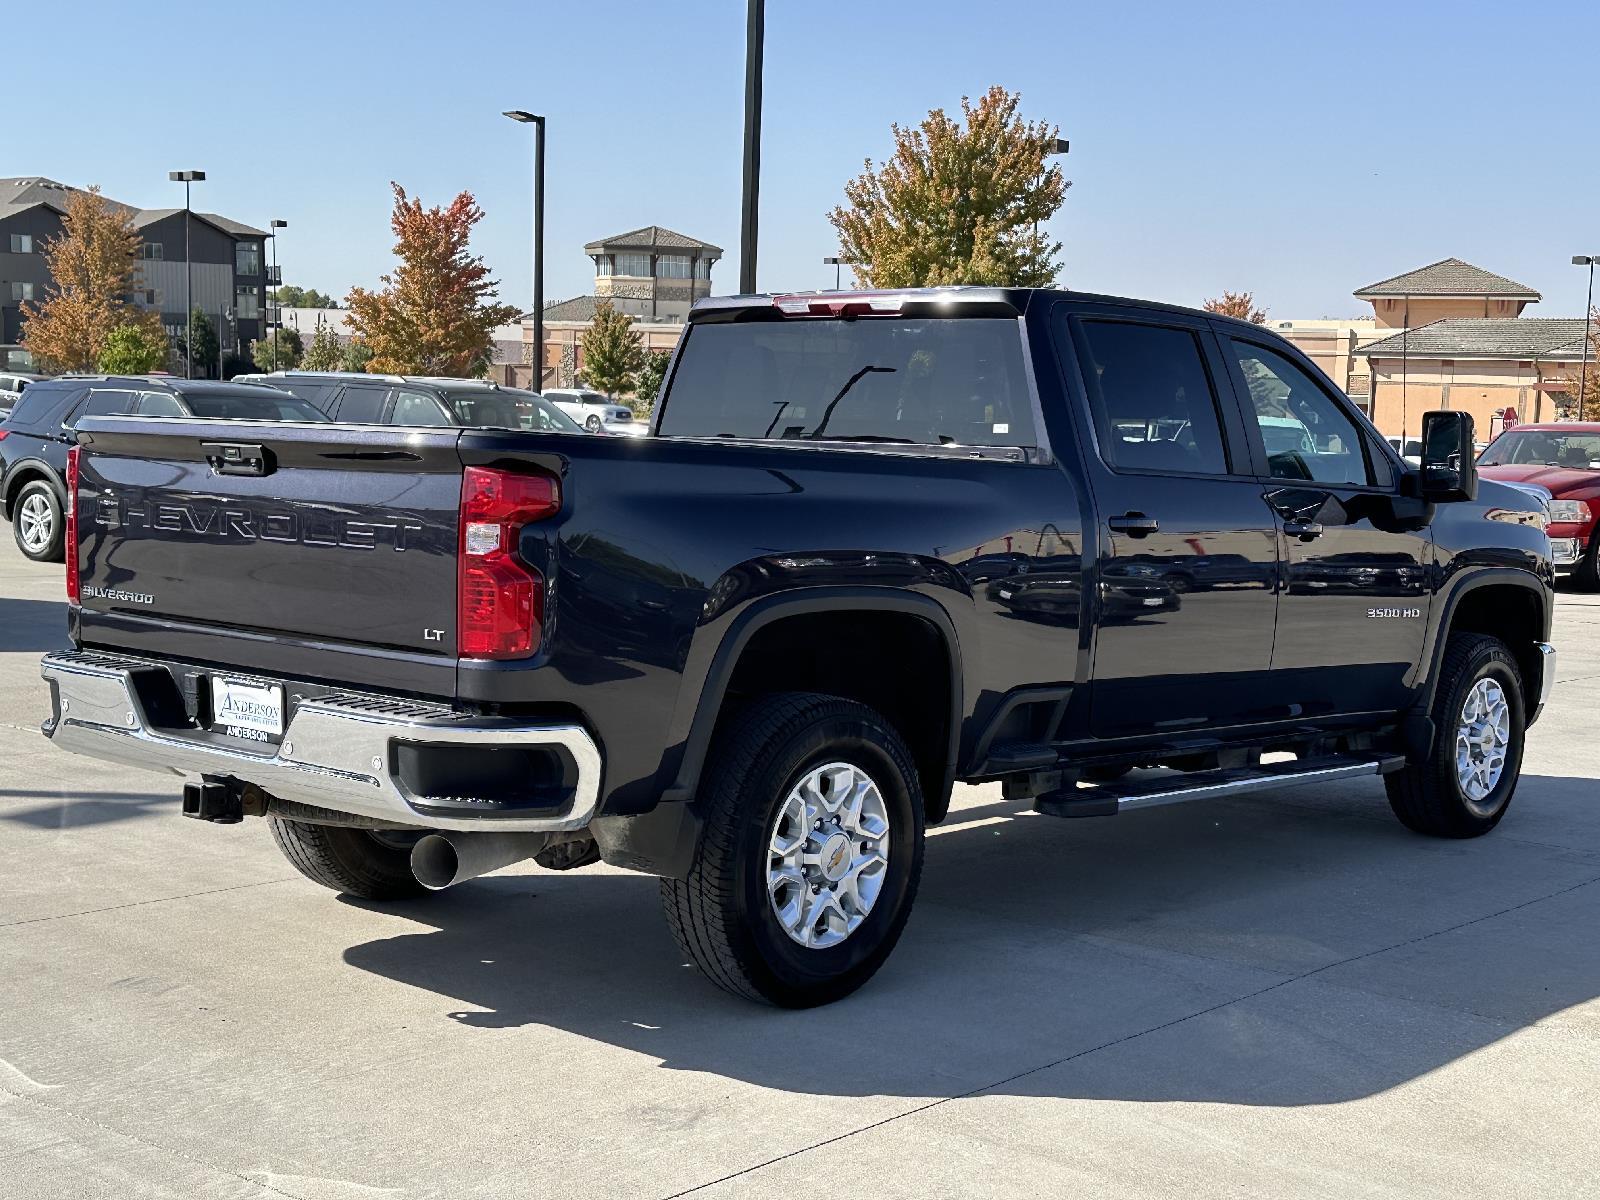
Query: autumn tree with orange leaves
[434, 315]
[958, 202]
[1237, 304]
[91, 267]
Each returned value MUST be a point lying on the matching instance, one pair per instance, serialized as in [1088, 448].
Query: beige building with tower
[1447, 335]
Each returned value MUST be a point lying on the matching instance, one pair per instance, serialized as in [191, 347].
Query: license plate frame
[248, 709]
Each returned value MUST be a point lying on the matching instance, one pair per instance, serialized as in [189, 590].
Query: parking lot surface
[1266, 996]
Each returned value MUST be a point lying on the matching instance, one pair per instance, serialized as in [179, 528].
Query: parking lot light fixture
[1585, 260]
[186, 178]
[276, 314]
[528, 118]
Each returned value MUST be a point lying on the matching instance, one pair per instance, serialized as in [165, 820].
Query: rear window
[931, 381]
[318, 394]
[255, 406]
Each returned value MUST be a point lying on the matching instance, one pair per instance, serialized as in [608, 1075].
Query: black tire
[371, 864]
[1427, 796]
[1586, 575]
[721, 914]
[38, 491]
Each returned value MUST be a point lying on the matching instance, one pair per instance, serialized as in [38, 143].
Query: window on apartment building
[672, 266]
[247, 258]
[637, 265]
[247, 303]
[22, 243]
[602, 264]
[146, 297]
[20, 292]
[152, 252]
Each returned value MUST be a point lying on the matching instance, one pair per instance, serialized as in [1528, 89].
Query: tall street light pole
[837, 264]
[1585, 260]
[276, 313]
[755, 37]
[528, 118]
[186, 178]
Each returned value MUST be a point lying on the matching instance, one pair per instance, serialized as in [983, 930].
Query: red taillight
[71, 541]
[4, 434]
[500, 599]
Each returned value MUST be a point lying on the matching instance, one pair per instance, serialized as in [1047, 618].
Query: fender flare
[31, 466]
[1445, 606]
[763, 612]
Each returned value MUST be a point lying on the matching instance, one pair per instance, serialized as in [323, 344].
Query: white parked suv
[594, 411]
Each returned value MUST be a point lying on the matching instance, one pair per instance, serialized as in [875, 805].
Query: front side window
[1305, 433]
[247, 303]
[1544, 448]
[22, 243]
[247, 258]
[924, 381]
[1154, 405]
[634, 264]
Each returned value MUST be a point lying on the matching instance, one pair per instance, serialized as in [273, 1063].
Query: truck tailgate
[313, 534]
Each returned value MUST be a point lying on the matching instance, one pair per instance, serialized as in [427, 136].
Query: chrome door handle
[1304, 530]
[1134, 524]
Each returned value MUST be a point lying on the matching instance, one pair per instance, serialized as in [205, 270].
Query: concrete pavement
[1277, 995]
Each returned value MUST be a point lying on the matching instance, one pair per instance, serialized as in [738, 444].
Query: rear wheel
[374, 864]
[1464, 786]
[37, 522]
[811, 853]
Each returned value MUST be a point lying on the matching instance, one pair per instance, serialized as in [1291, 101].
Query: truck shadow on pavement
[27, 626]
[1303, 951]
[63, 809]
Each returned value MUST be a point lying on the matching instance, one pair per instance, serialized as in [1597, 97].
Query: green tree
[133, 349]
[290, 296]
[957, 204]
[435, 313]
[1237, 304]
[613, 352]
[206, 347]
[326, 352]
[356, 356]
[648, 385]
[284, 355]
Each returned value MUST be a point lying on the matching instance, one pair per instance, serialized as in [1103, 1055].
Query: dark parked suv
[35, 437]
[431, 401]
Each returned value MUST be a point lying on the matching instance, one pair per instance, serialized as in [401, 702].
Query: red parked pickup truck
[1564, 458]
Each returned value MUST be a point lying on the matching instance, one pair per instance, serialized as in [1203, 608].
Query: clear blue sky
[1296, 150]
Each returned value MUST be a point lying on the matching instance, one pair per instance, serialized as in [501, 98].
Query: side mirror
[1449, 466]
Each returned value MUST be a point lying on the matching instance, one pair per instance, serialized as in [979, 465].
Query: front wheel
[592, 423]
[1464, 786]
[810, 856]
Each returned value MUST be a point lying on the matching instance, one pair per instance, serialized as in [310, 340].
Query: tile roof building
[228, 258]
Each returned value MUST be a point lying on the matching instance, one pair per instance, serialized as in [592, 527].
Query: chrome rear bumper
[336, 752]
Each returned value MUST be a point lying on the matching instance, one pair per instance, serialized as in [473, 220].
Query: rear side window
[105, 403]
[159, 404]
[362, 405]
[319, 394]
[1306, 435]
[37, 403]
[933, 381]
[265, 405]
[1154, 404]
[417, 408]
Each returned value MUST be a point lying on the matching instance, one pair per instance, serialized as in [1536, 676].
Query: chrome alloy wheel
[828, 855]
[36, 523]
[1482, 737]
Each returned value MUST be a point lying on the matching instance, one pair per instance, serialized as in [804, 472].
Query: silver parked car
[594, 411]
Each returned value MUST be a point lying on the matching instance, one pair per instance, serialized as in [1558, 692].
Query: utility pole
[186, 178]
[755, 36]
[1585, 260]
[528, 118]
[275, 314]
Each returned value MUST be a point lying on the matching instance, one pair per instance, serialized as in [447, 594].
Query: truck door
[1186, 575]
[1354, 606]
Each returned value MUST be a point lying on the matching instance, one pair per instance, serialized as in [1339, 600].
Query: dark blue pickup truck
[1110, 553]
